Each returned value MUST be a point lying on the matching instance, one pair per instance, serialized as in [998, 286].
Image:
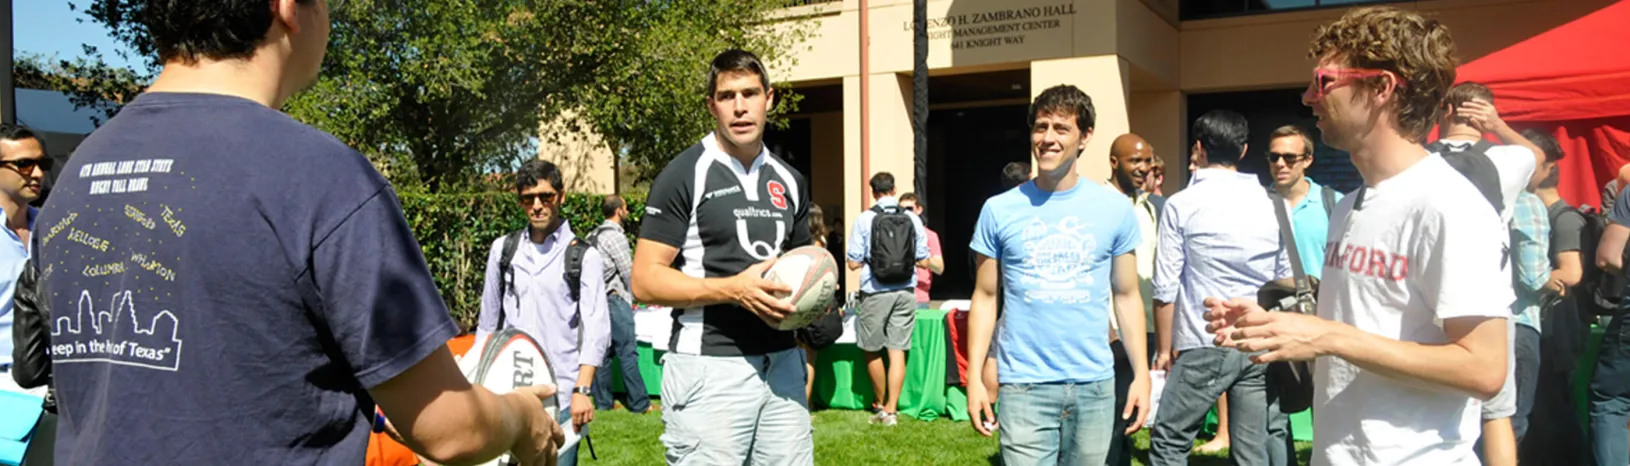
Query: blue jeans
[626, 350]
[1121, 445]
[1610, 396]
[1256, 428]
[1056, 423]
[1527, 374]
[567, 456]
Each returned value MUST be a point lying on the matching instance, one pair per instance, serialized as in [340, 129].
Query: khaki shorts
[885, 320]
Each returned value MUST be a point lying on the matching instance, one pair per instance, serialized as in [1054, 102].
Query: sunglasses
[1275, 157]
[1326, 80]
[27, 165]
[532, 199]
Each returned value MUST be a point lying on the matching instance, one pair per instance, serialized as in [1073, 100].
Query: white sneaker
[884, 418]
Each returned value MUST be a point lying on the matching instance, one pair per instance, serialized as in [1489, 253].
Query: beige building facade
[1149, 66]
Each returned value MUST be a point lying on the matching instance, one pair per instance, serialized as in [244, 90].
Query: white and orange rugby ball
[813, 276]
[504, 361]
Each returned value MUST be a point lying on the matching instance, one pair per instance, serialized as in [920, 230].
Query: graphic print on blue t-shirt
[1056, 251]
[94, 331]
[1052, 267]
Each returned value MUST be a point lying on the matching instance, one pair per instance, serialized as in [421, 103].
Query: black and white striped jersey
[724, 217]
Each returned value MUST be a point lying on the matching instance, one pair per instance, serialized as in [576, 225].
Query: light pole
[919, 94]
[8, 86]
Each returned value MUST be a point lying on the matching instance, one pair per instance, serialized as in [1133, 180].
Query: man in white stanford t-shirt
[1411, 332]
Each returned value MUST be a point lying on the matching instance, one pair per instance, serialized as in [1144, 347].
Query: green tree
[651, 107]
[88, 82]
[437, 92]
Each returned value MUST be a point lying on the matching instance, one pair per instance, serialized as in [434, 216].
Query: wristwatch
[585, 391]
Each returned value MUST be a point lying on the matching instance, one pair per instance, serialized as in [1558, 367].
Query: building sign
[996, 28]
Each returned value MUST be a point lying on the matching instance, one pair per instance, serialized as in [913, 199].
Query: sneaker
[884, 418]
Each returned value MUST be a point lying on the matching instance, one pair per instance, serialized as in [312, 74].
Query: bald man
[1130, 159]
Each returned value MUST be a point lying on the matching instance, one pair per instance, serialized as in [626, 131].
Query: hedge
[456, 232]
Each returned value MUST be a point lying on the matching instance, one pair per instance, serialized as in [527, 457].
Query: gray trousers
[736, 410]
[1258, 432]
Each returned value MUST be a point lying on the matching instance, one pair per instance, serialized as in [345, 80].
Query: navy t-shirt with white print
[227, 282]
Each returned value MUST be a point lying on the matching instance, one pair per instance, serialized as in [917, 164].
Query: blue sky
[48, 27]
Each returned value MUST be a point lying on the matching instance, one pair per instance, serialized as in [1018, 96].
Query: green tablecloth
[841, 381]
[840, 378]
[923, 395]
[650, 370]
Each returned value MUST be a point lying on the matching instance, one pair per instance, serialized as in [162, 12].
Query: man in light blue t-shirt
[1062, 247]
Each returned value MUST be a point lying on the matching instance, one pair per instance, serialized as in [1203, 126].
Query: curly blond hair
[1416, 48]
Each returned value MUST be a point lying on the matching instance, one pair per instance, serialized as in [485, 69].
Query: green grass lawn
[841, 437]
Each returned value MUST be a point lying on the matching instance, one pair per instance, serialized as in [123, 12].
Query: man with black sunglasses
[1290, 154]
[23, 164]
[531, 284]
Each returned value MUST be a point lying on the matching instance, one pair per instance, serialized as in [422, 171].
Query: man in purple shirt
[574, 334]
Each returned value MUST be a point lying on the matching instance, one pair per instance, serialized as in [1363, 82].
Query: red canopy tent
[1572, 81]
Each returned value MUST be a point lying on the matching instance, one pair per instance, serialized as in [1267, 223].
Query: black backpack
[1567, 319]
[894, 245]
[1473, 162]
[1598, 292]
[573, 275]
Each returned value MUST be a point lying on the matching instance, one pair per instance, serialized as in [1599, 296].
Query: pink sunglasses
[1325, 80]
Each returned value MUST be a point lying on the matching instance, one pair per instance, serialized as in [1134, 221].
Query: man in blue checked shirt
[1531, 243]
[612, 242]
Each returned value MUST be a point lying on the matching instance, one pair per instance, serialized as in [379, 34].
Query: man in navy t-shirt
[232, 286]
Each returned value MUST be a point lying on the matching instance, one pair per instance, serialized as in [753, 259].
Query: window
[1206, 9]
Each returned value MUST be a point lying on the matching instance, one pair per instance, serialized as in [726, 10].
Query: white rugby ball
[504, 361]
[813, 276]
